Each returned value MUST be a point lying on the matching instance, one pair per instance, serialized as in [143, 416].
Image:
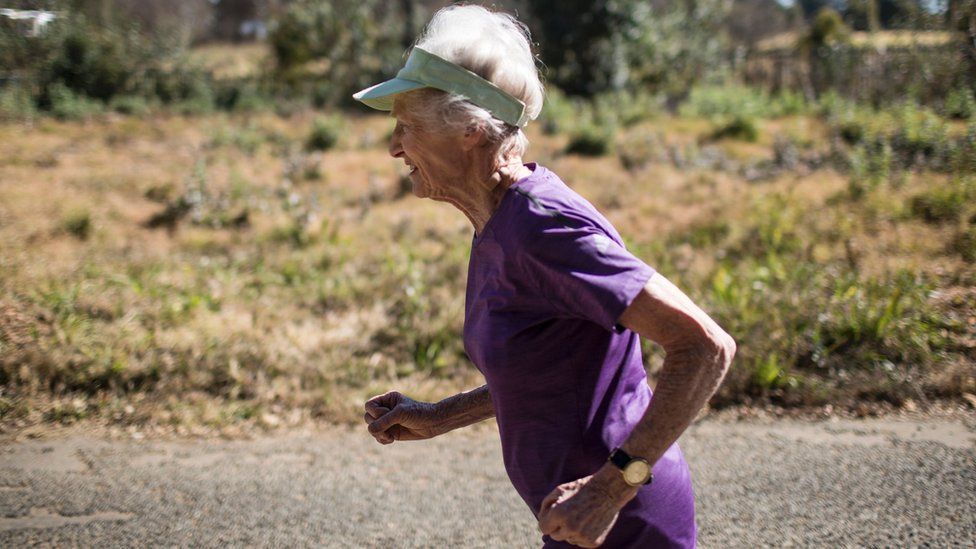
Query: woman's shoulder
[545, 203]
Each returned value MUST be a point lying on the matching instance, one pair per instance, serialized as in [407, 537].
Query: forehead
[401, 107]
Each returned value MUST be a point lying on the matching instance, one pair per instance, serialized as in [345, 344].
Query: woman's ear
[474, 137]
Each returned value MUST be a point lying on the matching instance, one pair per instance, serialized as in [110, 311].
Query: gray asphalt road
[873, 483]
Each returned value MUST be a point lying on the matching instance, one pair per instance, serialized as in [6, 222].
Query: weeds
[739, 127]
[325, 133]
[77, 223]
[590, 141]
[943, 204]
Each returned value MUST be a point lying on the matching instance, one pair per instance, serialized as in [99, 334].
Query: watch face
[637, 472]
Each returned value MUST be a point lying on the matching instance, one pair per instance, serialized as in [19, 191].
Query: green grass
[831, 275]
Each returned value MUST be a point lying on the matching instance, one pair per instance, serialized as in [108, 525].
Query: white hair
[497, 47]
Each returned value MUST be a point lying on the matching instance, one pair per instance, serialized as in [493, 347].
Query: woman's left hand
[581, 512]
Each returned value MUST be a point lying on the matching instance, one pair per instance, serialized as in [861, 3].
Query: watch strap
[621, 459]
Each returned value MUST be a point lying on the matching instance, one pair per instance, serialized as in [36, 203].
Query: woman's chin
[420, 189]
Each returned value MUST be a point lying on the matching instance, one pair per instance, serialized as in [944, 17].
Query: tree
[592, 47]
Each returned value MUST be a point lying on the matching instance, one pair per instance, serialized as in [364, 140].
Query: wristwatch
[636, 471]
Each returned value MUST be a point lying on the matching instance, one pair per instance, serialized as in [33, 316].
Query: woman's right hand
[393, 416]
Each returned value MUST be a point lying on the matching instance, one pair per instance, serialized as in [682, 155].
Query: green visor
[426, 70]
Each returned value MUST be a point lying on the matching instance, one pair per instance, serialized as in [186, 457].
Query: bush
[960, 104]
[870, 167]
[67, 105]
[729, 101]
[16, 103]
[943, 204]
[827, 29]
[240, 96]
[740, 127]
[964, 152]
[325, 133]
[590, 140]
[639, 149]
[625, 109]
[133, 105]
[965, 243]
[359, 39]
[77, 222]
[558, 112]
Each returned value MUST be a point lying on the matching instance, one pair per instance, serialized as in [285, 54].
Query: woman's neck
[479, 197]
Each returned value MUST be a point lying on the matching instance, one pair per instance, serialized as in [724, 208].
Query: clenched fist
[393, 416]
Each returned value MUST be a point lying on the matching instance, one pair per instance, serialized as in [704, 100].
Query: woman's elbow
[726, 348]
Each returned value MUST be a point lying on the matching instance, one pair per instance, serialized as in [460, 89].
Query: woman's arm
[699, 353]
[465, 408]
[393, 416]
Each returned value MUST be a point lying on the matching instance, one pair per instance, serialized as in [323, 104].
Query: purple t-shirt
[547, 280]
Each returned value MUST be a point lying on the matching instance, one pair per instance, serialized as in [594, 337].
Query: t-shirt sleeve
[581, 270]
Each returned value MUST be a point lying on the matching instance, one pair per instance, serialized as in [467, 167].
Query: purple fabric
[547, 280]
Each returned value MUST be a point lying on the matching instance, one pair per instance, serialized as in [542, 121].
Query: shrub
[77, 222]
[240, 96]
[941, 204]
[590, 140]
[558, 112]
[16, 103]
[67, 105]
[639, 149]
[325, 133]
[739, 127]
[960, 104]
[625, 108]
[133, 105]
[728, 101]
[964, 152]
[359, 39]
[870, 167]
[965, 243]
[828, 28]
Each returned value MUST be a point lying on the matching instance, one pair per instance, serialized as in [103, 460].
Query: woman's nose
[395, 147]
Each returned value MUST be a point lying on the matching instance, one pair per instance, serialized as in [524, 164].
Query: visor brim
[381, 96]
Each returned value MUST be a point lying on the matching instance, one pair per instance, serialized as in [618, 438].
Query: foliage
[944, 203]
[916, 135]
[325, 133]
[827, 29]
[68, 105]
[802, 321]
[965, 243]
[739, 127]
[78, 223]
[590, 140]
[960, 104]
[734, 100]
[133, 105]
[871, 166]
[353, 41]
[591, 48]
[16, 103]
[640, 148]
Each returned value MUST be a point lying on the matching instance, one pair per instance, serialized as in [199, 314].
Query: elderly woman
[555, 304]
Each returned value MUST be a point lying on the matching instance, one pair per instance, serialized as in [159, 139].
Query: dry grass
[294, 285]
[232, 61]
[878, 40]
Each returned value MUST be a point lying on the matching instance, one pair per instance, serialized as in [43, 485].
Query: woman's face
[435, 158]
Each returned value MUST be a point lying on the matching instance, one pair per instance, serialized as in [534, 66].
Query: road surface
[834, 483]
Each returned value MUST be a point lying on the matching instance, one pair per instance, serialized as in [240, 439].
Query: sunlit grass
[282, 283]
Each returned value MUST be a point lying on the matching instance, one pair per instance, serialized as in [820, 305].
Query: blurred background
[201, 233]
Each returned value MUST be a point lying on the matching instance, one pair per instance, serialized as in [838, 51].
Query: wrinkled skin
[581, 512]
[393, 416]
